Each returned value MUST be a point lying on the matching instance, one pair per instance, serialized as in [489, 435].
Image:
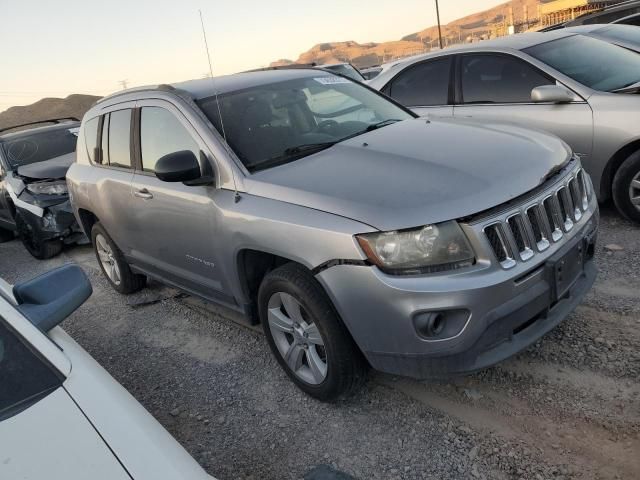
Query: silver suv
[355, 232]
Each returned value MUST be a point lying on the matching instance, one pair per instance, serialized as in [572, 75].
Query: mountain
[522, 14]
[73, 106]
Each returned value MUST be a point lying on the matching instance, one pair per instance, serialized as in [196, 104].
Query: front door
[175, 236]
[495, 87]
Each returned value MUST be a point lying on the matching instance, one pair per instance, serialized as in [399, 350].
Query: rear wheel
[626, 187]
[38, 248]
[112, 263]
[306, 335]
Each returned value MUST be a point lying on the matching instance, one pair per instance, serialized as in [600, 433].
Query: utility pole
[123, 83]
[439, 28]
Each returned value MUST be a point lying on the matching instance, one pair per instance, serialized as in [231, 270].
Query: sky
[52, 48]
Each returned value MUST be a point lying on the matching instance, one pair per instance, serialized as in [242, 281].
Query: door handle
[143, 193]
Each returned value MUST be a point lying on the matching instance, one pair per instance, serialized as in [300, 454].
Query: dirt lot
[568, 407]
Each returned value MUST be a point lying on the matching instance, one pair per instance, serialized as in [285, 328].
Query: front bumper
[56, 222]
[506, 310]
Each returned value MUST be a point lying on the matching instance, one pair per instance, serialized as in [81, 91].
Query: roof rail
[162, 87]
[51, 120]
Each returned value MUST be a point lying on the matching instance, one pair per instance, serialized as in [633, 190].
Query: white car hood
[53, 440]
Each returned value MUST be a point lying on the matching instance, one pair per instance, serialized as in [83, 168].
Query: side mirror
[50, 298]
[551, 94]
[179, 166]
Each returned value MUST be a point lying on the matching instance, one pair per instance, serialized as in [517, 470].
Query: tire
[112, 263]
[626, 183]
[314, 315]
[6, 235]
[40, 249]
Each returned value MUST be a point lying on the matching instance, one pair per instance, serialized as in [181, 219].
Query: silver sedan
[583, 89]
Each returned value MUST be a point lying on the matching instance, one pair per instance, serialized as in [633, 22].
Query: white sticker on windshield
[331, 80]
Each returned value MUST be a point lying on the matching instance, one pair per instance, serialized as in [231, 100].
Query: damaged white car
[34, 201]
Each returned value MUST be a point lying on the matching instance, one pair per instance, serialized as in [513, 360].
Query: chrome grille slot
[552, 211]
[576, 199]
[566, 208]
[538, 227]
[519, 232]
[499, 245]
[584, 190]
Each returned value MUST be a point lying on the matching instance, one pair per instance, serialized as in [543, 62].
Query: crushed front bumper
[56, 222]
[506, 311]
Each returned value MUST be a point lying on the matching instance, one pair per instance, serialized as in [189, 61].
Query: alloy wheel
[297, 338]
[634, 191]
[107, 259]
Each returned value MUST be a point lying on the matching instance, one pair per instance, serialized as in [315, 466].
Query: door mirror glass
[179, 166]
[551, 94]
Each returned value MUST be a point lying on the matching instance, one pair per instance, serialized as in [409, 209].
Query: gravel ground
[568, 407]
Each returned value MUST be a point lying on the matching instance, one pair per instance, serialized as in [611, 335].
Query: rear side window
[162, 133]
[91, 138]
[116, 134]
[425, 84]
[24, 377]
[498, 79]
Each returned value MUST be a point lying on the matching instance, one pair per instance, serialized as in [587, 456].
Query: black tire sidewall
[620, 187]
[339, 347]
[129, 282]
[39, 249]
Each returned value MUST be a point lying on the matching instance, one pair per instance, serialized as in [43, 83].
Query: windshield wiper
[383, 123]
[291, 153]
[631, 88]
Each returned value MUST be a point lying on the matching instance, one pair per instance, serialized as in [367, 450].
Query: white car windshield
[275, 123]
[594, 63]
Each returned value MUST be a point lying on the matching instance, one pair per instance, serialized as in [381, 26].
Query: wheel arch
[87, 220]
[612, 167]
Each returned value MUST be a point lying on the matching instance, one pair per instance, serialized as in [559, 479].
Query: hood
[53, 169]
[416, 172]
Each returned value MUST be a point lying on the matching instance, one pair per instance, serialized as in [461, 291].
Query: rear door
[113, 202]
[425, 87]
[176, 228]
[496, 87]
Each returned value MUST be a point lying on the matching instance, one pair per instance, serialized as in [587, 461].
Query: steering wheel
[326, 125]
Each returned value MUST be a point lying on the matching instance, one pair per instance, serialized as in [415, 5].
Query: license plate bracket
[565, 268]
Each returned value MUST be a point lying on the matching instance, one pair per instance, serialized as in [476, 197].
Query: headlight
[430, 248]
[48, 188]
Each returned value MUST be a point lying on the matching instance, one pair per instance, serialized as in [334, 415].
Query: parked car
[419, 247]
[580, 88]
[621, 12]
[345, 69]
[627, 36]
[33, 192]
[633, 19]
[62, 417]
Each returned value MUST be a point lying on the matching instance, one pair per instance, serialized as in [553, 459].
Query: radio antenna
[215, 90]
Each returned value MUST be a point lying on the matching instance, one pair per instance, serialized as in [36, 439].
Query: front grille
[541, 221]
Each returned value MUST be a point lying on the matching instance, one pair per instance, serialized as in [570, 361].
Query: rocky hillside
[486, 24]
[47, 108]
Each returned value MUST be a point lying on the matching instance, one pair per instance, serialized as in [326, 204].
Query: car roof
[31, 131]
[207, 87]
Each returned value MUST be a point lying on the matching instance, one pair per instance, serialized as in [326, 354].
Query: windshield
[38, 147]
[271, 124]
[625, 33]
[594, 63]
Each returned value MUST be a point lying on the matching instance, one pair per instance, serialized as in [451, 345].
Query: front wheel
[306, 335]
[626, 187]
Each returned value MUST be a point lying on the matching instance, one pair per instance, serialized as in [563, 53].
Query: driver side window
[162, 133]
